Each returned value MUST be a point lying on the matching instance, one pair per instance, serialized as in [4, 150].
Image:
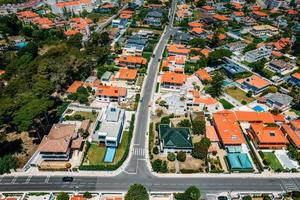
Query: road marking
[289, 185]
[47, 179]
[14, 180]
[1, 179]
[139, 151]
[28, 179]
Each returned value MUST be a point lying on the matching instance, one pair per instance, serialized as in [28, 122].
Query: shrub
[155, 150]
[171, 156]
[181, 156]
[244, 102]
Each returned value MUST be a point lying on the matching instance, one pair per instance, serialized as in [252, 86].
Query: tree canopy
[137, 192]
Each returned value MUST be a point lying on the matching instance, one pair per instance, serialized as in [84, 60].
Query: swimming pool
[21, 45]
[227, 83]
[110, 154]
[258, 108]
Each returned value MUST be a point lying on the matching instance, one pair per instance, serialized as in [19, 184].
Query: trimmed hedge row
[109, 167]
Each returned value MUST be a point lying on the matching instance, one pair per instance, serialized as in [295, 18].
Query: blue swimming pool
[21, 45]
[227, 83]
[110, 154]
[258, 108]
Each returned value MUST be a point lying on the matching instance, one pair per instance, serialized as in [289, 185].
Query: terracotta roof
[76, 144]
[77, 197]
[255, 81]
[292, 12]
[205, 52]
[127, 74]
[239, 14]
[75, 85]
[220, 17]
[277, 54]
[227, 128]
[208, 8]
[296, 75]
[282, 43]
[268, 135]
[236, 5]
[58, 139]
[72, 3]
[195, 24]
[255, 7]
[180, 60]
[279, 118]
[132, 59]
[2, 72]
[260, 13]
[211, 133]
[296, 123]
[203, 75]
[293, 134]
[197, 30]
[111, 91]
[178, 49]
[205, 100]
[27, 14]
[249, 116]
[71, 32]
[172, 77]
[85, 124]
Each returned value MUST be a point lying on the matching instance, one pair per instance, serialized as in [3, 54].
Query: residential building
[174, 63]
[232, 69]
[175, 103]
[174, 139]
[264, 31]
[181, 37]
[110, 93]
[276, 4]
[129, 75]
[267, 137]
[292, 130]
[280, 66]
[131, 61]
[203, 75]
[208, 9]
[172, 81]
[178, 49]
[133, 50]
[76, 6]
[254, 83]
[119, 23]
[74, 86]
[154, 17]
[236, 46]
[205, 102]
[278, 101]
[111, 127]
[257, 54]
[199, 32]
[295, 79]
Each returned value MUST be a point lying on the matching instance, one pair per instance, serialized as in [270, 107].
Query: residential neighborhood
[99, 95]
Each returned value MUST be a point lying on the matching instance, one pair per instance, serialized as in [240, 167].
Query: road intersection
[136, 168]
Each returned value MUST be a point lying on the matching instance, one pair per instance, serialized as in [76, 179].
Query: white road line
[14, 180]
[47, 179]
[28, 179]
[1, 179]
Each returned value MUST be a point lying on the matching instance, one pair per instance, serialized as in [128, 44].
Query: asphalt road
[137, 171]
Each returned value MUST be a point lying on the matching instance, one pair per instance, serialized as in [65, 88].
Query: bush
[244, 102]
[181, 156]
[171, 156]
[247, 197]
[185, 123]
[155, 150]
[87, 195]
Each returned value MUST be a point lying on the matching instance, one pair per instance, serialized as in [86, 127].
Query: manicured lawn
[95, 154]
[121, 148]
[274, 162]
[226, 104]
[147, 55]
[296, 111]
[238, 94]
[87, 115]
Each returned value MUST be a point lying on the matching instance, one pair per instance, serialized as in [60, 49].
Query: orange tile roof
[256, 8]
[279, 118]
[255, 81]
[125, 16]
[292, 12]
[77, 197]
[205, 52]
[236, 5]
[205, 100]
[172, 77]
[70, 32]
[277, 53]
[296, 123]
[227, 128]
[208, 8]
[239, 14]
[274, 10]
[296, 75]
[220, 17]
[203, 75]
[268, 136]
[195, 24]
[249, 116]
[75, 85]
[110, 5]
[132, 59]
[43, 22]
[111, 91]
[72, 3]
[81, 20]
[178, 49]
[127, 74]
[180, 60]
[2, 72]
[27, 14]
[211, 133]
[292, 134]
[260, 13]
[282, 43]
[197, 30]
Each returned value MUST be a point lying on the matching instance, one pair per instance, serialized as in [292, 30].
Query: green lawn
[274, 162]
[87, 115]
[96, 152]
[238, 94]
[226, 104]
[147, 55]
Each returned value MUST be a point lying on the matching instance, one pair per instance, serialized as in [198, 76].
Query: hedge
[109, 167]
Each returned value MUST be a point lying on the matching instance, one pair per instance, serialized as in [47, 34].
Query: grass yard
[147, 55]
[238, 94]
[95, 154]
[121, 148]
[274, 162]
[226, 104]
[87, 115]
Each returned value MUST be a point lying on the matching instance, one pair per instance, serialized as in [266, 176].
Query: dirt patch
[192, 163]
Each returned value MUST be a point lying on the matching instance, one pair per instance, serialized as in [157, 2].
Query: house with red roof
[125, 74]
[131, 61]
[254, 83]
[178, 49]
[74, 6]
[106, 93]
[292, 130]
[172, 81]
[203, 75]
[295, 78]
[208, 9]
[194, 98]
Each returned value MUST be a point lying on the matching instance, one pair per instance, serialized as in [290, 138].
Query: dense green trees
[137, 192]
[198, 127]
[184, 123]
[7, 163]
[200, 149]
[160, 166]
[191, 193]
[62, 196]
[216, 87]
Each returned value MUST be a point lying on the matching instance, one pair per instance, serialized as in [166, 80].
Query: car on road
[67, 179]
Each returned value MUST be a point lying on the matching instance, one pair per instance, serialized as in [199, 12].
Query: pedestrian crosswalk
[289, 185]
[139, 151]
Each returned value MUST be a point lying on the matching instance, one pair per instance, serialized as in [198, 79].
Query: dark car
[67, 179]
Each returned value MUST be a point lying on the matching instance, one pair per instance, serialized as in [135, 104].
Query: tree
[62, 196]
[155, 150]
[7, 163]
[181, 156]
[197, 43]
[249, 93]
[87, 195]
[216, 87]
[165, 120]
[198, 127]
[171, 156]
[200, 149]
[159, 166]
[247, 197]
[137, 192]
[184, 123]
[191, 193]
[218, 54]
